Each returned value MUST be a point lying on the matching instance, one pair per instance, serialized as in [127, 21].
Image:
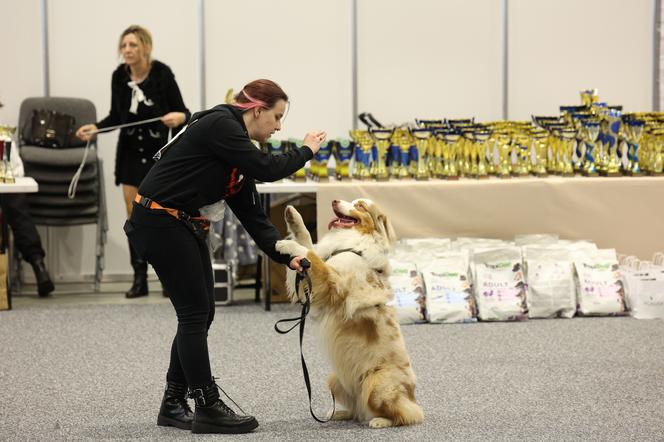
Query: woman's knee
[194, 323]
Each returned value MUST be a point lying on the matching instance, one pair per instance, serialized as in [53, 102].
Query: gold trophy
[480, 137]
[450, 149]
[541, 151]
[589, 97]
[6, 138]
[299, 175]
[363, 155]
[382, 138]
[590, 135]
[422, 137]
[504, 141]
[633, 132]
[611, 128]
[567, 143]
[343, 152]
[523, 154]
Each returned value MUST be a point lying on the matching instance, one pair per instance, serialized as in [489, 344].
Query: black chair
[53, 170]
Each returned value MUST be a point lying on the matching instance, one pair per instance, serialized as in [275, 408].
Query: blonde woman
[141, 89]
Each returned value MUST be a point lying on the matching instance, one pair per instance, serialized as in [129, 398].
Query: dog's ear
[385, 227]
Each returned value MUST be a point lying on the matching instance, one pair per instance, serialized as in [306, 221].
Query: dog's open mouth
[342, 221]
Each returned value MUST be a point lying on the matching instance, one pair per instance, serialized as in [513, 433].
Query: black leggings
[183, 265]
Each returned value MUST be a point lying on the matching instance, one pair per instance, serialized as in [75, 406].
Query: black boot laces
[223, 404]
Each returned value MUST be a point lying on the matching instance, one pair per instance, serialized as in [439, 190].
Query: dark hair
[266, 92]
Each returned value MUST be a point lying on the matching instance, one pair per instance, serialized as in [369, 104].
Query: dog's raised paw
[341, 415]
[293, 218]
[290, 247]
[380, 422]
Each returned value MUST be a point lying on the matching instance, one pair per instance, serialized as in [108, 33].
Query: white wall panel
[21, 74]
[305, 46]
[429, 59]
[83, 38]
[557, 48]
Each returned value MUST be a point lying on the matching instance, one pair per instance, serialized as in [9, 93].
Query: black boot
[140, 285]
[44, 283]
[212, 415]
[175, 411]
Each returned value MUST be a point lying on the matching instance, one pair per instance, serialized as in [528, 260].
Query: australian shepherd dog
[372, 377]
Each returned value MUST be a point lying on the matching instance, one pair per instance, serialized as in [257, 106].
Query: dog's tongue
[343, 223]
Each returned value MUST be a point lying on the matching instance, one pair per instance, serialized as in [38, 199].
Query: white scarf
[137, 96]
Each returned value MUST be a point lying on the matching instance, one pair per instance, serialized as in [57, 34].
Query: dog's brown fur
[373, 378]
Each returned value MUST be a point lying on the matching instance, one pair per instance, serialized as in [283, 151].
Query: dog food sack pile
[500, 289]
[408, 292]
[551, 290]
[449, 296]
[600, 288]
[644, 286]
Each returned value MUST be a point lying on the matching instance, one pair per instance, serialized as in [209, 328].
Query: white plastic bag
[409, 298]
[449, 296]
[600, 286]
[500, 288]
[551, 291]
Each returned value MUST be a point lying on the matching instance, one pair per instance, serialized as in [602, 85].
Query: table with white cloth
[617, 212]
[22, 185]
[624, 213]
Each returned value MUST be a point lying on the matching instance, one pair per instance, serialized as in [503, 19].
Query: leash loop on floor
[300, 320]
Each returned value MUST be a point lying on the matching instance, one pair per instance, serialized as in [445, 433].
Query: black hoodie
[214, 159]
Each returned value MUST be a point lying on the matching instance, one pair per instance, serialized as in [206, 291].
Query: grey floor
[91, 367]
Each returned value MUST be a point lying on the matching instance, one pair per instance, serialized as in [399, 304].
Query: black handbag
[49, 128]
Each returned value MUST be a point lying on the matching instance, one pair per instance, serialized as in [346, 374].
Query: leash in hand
[300, 320]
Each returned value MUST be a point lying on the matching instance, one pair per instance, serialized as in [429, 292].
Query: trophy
[480, 137]
[382, 137]
[401, 153]
[6, 137]
[522, 151]
[567, 144]
[611, 129]
[590, 134]
[451, 138]
[657, 166]
[633, 132]
[422, 137]
[343, 152]
[504, 141]
[589, 97]
[299, 175]
[541, 151]
[363, 154]
[322, 157]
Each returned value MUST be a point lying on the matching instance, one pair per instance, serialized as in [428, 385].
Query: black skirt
[131, 166]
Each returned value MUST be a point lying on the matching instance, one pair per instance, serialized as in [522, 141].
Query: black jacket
[214, 159]
[161, 89]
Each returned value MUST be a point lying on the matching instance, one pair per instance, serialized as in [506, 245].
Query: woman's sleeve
[247, 207]
[113, 117]
[232, 146]
[174, 99]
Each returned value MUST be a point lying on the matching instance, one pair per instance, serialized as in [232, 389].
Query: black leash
[300, 320]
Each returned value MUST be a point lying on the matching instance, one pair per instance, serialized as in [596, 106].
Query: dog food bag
[551, 290]
[600, 286]
[644, 289]
[449, 296]
[539, 238]
[408, 290]
[499, 285]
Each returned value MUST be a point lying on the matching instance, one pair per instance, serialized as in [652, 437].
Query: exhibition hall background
[488, 59]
